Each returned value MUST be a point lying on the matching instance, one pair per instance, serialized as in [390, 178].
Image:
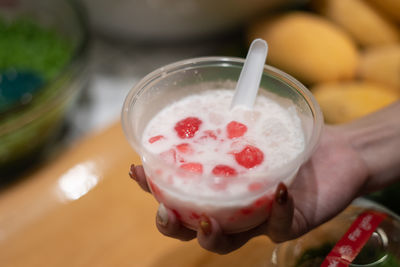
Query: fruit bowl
[43, 56]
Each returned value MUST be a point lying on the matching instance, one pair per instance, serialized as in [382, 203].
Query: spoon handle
[250, 76]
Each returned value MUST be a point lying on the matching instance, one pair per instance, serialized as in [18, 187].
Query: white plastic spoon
[250, 76]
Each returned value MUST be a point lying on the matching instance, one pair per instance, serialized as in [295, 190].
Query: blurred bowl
[26, 129]
[171, 20]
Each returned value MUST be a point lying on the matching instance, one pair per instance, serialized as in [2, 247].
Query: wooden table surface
[82, 209]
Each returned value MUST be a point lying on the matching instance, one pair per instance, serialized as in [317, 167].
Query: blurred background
[66, 67]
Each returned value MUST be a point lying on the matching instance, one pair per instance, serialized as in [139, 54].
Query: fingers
[279, 227]
[166, 221]
[169, 225]
[137, 174]
[211, 237]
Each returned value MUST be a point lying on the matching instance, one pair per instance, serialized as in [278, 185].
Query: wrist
[376, 139]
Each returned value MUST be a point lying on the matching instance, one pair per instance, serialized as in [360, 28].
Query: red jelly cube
[187, 127]
[224, 171]
[235, 129]
[155, 138]
[193, 167]
[249, 157]
[184, 148]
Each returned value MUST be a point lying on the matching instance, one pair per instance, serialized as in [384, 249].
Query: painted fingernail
[162, 215]
[205, 225]
[281, 194]
[132, 172]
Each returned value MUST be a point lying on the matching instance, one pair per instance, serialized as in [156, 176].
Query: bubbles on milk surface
[202, 135]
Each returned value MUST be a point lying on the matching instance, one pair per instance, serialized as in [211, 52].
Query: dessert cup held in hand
[235, 212]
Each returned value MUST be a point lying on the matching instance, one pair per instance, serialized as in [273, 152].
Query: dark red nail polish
[281, 194]
[132, 172]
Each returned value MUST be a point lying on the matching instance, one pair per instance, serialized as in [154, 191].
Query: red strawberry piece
[253, 187]
[249, 157]
[224, 171]
[192, 167]
[188, 127]
[184, 148]
[235, 129]
[155, 138]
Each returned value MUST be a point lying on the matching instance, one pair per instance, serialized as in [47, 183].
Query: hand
[324, 186]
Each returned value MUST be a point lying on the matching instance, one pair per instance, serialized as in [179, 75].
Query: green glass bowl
[26, 131]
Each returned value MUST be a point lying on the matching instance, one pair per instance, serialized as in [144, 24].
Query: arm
[352, 159]
[377, 139]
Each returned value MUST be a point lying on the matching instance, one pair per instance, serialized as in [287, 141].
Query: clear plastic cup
[381, 250]
[234, 212]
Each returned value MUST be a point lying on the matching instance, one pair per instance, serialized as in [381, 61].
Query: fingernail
[205, 225]
[162, 215]
[281, 194]
[132, 172]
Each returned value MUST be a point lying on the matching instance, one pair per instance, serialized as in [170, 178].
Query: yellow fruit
[364, 23]
[382, 65]
[391, 8]
[307, 46]
[344, 102]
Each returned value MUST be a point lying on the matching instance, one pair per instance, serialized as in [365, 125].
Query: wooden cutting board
[82, 209]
